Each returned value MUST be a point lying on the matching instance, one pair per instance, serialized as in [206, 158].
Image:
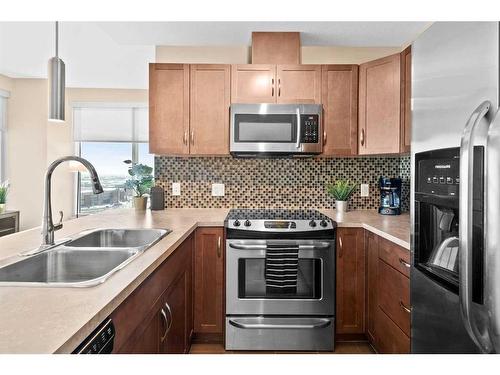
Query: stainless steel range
[280, 280]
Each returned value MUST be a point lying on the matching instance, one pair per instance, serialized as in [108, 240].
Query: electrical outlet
[365, 190]
[176, 188]
[217, 190]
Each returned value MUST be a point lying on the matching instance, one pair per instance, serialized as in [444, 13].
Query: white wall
[243, 54]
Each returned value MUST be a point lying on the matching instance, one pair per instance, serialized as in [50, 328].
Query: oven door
[275, 129]
[250, 288]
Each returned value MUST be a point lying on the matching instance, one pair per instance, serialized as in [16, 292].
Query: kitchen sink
[87, 260]
[111, 238]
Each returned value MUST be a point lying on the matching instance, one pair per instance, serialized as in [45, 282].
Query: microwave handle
[299, 127]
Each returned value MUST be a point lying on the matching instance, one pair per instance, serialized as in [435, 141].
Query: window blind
[101, 122]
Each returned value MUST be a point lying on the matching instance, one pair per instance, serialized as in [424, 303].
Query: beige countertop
[56, 320]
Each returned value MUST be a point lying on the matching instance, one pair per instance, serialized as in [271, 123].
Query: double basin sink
[87, 260]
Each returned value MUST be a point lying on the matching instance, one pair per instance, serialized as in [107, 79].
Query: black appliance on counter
[437, 325]
[280, 280]
[390, 196]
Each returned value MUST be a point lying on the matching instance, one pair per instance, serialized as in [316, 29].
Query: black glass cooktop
[275, 214]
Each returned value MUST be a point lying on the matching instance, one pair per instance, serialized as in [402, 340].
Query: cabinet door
[253, 83]
[299, 84]
[372, 285]
[209, 281]
[379, 106]
[406, 100]
[350, 315]
[209, 115]
[168, 109]
[391, 339]
[340, 105]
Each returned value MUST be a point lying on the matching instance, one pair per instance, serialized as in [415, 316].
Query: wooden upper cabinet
[209, 114]
[379, 106]
[275, 47]
[350, 290]
[298, 84]
[253, 83]
[406, 100]
[168, 108]
[209, 281]
[340, 106]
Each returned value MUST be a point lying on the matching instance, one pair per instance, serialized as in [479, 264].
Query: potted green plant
[4, 189]
[140, 182]
[341, 191]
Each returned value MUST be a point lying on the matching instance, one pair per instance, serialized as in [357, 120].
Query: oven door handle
[316, 323]
[315, 246]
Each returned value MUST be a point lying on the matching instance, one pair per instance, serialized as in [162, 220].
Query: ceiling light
[56, 84]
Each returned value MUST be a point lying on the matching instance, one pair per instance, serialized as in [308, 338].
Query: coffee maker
[390, 196]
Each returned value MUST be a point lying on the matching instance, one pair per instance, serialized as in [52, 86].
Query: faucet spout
[48, 227]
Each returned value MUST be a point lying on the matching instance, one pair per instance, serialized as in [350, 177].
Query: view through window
[107, 136]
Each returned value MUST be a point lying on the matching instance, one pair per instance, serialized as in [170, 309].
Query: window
[106, 135]
[3, 130]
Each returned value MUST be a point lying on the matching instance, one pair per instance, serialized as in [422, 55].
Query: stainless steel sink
[111, 238]
[87, 260]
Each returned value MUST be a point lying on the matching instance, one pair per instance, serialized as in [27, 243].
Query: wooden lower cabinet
[209, 283]
[350, 275]
[144, 323]
[371, 285]
[388, 296]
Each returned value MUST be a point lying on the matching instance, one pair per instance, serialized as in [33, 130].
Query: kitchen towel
[282, 262]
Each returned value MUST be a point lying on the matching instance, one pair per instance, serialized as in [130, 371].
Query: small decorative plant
[341, 191]
[140, 182]
[4, 190]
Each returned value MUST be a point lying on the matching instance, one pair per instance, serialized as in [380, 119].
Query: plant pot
[140, 203]
[341, 206]
[2, 208]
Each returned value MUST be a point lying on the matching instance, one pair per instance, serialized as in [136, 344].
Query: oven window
[252, 281]
[265, 128]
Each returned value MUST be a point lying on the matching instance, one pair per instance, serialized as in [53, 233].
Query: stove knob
[312, 223]
[323, 223]
[247, 223]
[236, 223]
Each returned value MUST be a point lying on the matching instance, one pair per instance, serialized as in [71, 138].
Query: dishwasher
[100, 341]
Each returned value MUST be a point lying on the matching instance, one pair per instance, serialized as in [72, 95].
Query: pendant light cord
[57, 39]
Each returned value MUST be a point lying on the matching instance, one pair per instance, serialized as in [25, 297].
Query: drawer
[390, 338]
[395, 256]
[394, 295]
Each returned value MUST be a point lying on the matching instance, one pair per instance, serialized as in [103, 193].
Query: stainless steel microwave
[276, 129]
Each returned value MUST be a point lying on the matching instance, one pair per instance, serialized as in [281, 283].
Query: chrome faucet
[48, 226]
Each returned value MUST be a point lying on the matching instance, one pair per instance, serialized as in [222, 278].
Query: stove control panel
[280, 225]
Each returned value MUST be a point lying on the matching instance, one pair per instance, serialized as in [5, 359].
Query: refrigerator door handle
[465, 229]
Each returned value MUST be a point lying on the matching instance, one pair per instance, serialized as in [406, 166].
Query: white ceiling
[115, 54]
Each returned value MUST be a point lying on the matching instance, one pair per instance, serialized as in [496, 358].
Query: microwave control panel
[310, 128]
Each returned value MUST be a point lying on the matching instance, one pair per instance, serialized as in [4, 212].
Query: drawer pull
[404, 307]
[165, 321]
[406, 264]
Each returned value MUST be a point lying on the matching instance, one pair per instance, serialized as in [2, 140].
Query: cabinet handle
[406, 264]
[324, 137]
[362, 137]
[165, 321]
[340, 247]
[272, 86]
[219, 247]
[279, 86]
[184, 138]
[404, 307]
[169, 310]
[192, 137]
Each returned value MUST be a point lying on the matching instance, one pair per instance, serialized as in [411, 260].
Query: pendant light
[56, 84]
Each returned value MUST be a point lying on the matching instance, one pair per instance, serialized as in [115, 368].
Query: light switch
[365, 190]
[176, 188]
[217, 190]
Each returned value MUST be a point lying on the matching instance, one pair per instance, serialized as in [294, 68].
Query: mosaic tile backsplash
[275, 183]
